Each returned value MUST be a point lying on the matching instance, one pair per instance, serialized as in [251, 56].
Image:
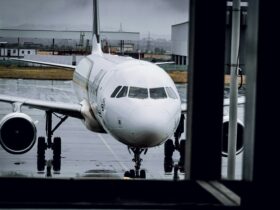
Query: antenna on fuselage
[96, 44]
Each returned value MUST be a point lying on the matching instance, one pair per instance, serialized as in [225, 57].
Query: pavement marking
[113, 153]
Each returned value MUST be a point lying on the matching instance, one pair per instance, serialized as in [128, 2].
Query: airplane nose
[149, 126]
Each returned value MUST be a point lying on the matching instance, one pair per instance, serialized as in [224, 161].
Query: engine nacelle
[239, 142]
[17, 133]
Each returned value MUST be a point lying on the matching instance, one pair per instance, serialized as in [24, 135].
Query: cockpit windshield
[123, 92]
[136, 92]
[144, 93]
[171, 93]
[157, 93]
[116, 91]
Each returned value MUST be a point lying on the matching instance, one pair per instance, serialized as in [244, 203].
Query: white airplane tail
[96, 43]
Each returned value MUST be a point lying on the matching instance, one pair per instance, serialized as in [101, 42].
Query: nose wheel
[136, 173]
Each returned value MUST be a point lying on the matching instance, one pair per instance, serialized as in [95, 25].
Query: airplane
[133, 100]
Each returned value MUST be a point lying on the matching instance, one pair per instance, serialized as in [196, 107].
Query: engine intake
[17, 133]
[239, 142]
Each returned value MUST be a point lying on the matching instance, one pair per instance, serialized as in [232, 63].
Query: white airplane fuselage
[135, 101]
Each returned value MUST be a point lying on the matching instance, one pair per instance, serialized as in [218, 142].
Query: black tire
[56, 147]
[168, 165]
[41, 147]
[56, 164]
[127, 174]
[143, 174]
[182, 156]
[182, 148]
[41, 162]
[132, 173]
[168, 148]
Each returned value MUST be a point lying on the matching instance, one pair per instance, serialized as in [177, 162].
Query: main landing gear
[137, 173]
[55, 145]
[170, 147]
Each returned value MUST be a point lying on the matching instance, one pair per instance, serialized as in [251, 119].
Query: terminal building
[179, 39]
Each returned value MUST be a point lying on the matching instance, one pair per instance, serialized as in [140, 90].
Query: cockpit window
[157, 93]
[171, 93]
[123, 92]
[116, 91]
[136, 92]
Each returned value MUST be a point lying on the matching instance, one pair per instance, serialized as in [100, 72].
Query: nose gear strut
[137, 173]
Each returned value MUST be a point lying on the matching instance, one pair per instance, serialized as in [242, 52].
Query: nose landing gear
[137, 173]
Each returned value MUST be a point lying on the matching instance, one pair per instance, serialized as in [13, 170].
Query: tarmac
[84, 154]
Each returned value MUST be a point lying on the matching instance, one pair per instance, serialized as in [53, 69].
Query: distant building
[127, 41]
[180, 45]
[11, 52]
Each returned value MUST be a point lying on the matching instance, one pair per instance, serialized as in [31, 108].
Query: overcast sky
[144, 16]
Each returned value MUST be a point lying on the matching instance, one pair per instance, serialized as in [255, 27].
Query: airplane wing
[72, 110]
[46, 63]
[166, 62]
[241, 100]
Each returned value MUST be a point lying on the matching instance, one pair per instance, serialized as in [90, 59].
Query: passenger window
[157, 93]
[171, 93]
[136, 92]
[116, 91]
[123, 92]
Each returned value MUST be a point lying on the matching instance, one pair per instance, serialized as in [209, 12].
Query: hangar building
[179, 46]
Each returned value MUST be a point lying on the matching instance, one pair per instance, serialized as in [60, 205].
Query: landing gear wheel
[136, 173]
[132, 173]
[56, 147]
[41, 147]
[143, 174]
[56, 164]
[168, 165]
[41, 162]
[127, 174]
[182, 155]
[168, 148]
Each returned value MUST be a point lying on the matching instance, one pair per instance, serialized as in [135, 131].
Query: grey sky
[154, 16]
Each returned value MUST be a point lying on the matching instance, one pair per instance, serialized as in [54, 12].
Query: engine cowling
[239, 142]
[17, 133]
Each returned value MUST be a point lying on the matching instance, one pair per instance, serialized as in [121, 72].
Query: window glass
[156, 93]
[123, 92]
[136, 92]
[171, 93]
[116, 91]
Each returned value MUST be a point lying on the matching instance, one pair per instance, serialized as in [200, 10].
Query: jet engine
[17, 133]
[239, 142]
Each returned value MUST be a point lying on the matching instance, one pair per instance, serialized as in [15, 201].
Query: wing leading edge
[241, 101]
[72, 110]
[46, 63]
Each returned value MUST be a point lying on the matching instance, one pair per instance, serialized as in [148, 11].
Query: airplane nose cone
[149, 126]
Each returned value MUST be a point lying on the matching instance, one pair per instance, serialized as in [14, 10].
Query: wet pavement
[84, 154]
